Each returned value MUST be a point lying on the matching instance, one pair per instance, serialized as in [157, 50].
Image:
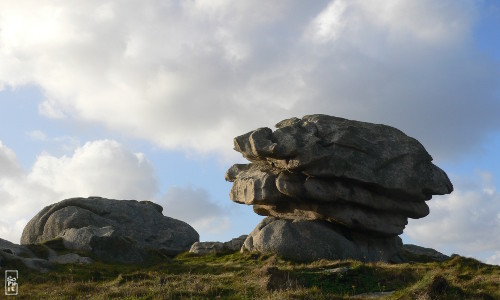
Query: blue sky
[142, 99]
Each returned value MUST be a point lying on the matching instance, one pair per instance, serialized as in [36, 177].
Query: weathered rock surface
[203, 248]
[14, 249]
[11, 253]
[303, 240]
[114, 230]
[37, 264]
[330, 147]
[416, 253]
[236, 243]
[361, 179]
[233, 245]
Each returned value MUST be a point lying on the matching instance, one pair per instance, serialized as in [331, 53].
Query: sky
[142, 99]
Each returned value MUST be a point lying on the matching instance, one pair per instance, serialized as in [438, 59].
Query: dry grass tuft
[253, 276]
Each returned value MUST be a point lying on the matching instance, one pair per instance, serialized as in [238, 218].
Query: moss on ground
[253, 276]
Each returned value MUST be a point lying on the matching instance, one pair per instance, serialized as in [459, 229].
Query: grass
[253, 276]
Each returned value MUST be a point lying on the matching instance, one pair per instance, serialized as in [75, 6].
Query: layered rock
[114, 230]
[360, 179]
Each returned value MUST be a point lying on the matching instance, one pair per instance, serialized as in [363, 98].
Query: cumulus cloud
[98, 168]
[494, 259]
[8, 162]
[194, 74]
[37, 135]
[11, 231]
[193, 205]
[103, 168]
[466, 221]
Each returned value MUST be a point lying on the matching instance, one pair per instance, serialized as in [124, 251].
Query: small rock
[236, 243]
[341, 270]
[218, 247]
[203, 248]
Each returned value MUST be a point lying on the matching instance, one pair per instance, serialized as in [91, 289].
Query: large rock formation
[348, 187]
[114, 230]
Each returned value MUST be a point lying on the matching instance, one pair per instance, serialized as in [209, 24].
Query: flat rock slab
[114, 230]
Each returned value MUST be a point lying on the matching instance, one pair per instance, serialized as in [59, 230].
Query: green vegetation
[252, 276]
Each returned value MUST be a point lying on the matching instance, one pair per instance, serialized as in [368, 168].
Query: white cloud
[8, 162]
[411, 20]
[99, 168]
[494, 259]
[328, 25]
[194, 74]
[37, 135]
[49, 109]
[193, 205]
[466, 221]
[12, 232]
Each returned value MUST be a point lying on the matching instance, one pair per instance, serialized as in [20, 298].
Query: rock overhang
[362, 177]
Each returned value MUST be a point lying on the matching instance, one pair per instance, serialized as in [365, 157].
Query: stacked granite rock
[333, 188]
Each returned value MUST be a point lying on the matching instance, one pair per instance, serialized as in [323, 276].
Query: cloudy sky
[141, 100]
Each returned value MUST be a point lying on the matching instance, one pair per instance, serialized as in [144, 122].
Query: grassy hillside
[251, 276]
